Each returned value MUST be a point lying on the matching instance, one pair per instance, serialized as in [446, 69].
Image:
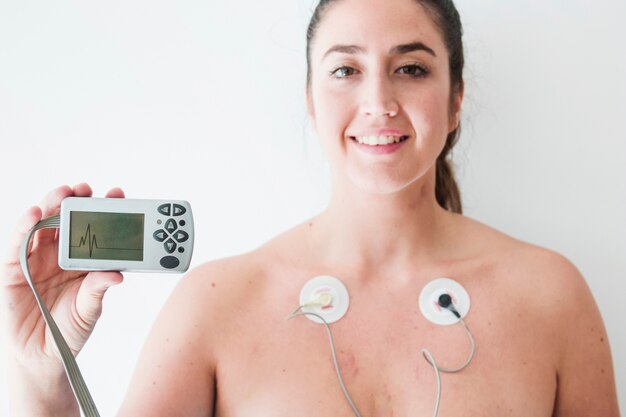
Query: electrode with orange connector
[326, 297]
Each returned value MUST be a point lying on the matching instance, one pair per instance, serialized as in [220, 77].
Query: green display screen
[112, 236]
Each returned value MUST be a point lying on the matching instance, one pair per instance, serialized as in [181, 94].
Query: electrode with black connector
[445, 301]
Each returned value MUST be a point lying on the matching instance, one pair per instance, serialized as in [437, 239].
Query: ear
[455, 108]
[310, 109]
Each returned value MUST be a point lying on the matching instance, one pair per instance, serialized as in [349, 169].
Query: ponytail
[446, 189]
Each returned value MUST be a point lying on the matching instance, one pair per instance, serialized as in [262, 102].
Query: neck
[382, 231]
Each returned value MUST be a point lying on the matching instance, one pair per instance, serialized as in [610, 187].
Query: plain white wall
[204, 101]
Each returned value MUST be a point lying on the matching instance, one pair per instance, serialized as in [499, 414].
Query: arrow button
[179, 210]
[181, 236]
[171, 225]
[165, 209]
[160, 235]
[170, 246]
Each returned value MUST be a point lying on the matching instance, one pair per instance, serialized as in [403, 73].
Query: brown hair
[447, 19]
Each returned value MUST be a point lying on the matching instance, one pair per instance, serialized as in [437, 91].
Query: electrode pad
[320, 287]
[429, 301]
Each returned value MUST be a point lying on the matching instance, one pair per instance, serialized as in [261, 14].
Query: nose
[379, 97]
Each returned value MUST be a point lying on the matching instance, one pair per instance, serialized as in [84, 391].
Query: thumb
[91, 292]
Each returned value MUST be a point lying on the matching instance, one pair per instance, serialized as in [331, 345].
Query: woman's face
[380, 73]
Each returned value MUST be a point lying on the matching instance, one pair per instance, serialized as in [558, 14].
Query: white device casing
[155, 254]
[429, 301]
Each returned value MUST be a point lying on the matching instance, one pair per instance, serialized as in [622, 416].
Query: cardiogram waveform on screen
[92, 241]
[87, 238]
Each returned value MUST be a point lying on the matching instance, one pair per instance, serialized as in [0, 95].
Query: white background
[203, 100]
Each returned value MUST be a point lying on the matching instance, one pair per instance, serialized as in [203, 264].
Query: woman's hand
[74, 298]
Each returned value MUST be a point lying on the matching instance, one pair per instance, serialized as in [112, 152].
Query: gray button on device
[170, 246]
[169, 262]
[181, 236]
[165, 209]
[170, 225]
[160, 235]
[179, 210]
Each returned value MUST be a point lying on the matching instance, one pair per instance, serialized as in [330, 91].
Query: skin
[222, 344]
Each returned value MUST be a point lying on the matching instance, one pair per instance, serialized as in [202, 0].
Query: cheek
[331, 106]
[429, 117]
[333, 113]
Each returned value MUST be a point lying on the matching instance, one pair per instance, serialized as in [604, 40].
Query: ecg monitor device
[119, 234]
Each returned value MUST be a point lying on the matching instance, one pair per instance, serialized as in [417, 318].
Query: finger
[51, 206]
[90, 294]
[26, 222]
[115, 193]
[82, 190]
[52, 201]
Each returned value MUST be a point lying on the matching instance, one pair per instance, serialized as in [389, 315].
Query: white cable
[298, 312]
[77, 382]
[469, 358]
[429, 357]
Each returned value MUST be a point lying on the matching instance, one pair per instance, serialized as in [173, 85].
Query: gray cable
[69, 363]
[298, 312]
[431, 360]
[425, 352]
[469, 358]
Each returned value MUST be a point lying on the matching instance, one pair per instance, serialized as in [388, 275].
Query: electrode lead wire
[76, 380]
[299, 312]
[425, 352]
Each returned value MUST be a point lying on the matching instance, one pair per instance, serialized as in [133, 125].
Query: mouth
[378, 140]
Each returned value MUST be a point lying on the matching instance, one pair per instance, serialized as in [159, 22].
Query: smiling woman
[443, 18]
[419, 75]
[384, 95]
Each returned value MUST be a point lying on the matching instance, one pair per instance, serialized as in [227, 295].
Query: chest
[278, 367]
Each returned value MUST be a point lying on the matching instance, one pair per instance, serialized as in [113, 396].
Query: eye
[413, 70]
[343, 72]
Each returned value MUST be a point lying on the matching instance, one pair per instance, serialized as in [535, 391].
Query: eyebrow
[410, 47]
[344, 49]
[396, 50]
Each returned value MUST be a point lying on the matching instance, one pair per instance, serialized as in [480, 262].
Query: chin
[387, 182]
[378, 185]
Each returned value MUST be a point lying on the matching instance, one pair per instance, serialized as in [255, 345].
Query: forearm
[37, 391]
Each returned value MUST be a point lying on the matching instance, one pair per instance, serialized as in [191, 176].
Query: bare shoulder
[544, 280]
[187, 338]
[557, 302]
[224, 292]
[222, 286]
[556, 276]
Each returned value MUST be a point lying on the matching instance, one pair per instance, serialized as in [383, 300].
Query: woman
[384, 95]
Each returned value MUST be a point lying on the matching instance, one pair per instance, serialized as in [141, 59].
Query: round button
[181, 249]
[169, 262]
[182, 222]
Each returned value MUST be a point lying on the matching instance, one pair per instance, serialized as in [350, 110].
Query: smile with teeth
[379, 140]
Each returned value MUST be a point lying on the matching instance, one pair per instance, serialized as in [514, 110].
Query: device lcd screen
[111, 236]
